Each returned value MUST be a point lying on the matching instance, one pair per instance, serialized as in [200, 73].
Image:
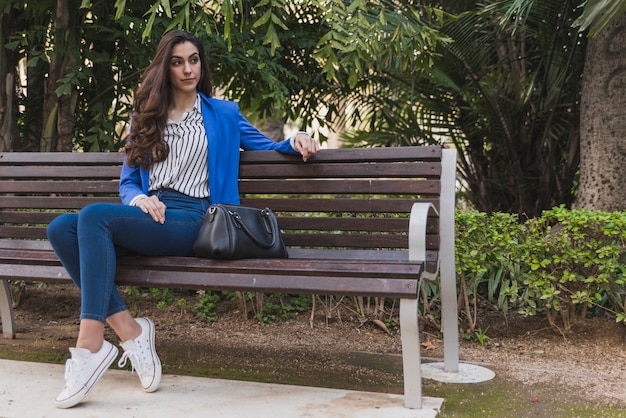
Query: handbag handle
[271, 229]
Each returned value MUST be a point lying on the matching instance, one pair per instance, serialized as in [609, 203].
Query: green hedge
[565, 264]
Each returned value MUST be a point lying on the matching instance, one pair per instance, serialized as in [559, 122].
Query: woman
[182, 155]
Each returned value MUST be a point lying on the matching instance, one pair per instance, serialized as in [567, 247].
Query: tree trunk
[603, 121]
[65, 116]
[51, 101]
[8, 65]
[36, 79]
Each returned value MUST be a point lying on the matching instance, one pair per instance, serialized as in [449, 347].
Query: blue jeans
[88, 243]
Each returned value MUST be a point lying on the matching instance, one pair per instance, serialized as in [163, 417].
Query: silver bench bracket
[409, 329]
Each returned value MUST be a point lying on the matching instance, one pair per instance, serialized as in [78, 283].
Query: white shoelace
[70, 365]
[135, 362]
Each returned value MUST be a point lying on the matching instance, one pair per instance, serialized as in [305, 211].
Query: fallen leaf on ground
[381, 325]
[428, 345]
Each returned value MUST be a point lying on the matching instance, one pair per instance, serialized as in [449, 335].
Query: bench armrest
[417, 237]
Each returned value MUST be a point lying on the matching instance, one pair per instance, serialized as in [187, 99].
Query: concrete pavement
[28, 390]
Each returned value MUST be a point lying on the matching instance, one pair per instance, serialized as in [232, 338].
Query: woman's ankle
[90, 335]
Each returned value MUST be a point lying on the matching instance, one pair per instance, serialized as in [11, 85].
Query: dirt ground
[589, 364]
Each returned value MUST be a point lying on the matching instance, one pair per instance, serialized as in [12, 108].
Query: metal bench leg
[411, 358]
[449, 311]
[6, 310]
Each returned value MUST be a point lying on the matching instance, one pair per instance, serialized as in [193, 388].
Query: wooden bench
[367, 222]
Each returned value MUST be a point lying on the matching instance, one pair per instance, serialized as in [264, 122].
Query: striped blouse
[185, 169]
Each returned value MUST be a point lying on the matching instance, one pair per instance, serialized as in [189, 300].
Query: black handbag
[231, 232]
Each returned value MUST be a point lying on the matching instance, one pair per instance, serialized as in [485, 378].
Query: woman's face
[185, 68]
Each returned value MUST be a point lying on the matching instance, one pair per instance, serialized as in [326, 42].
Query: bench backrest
[356, 199]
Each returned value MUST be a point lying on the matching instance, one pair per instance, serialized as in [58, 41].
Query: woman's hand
[305, 145]
[153, 207]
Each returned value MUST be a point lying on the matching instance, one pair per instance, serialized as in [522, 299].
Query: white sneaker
[82, 371]
[143, 356]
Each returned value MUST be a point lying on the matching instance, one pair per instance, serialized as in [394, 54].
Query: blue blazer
[227, 131]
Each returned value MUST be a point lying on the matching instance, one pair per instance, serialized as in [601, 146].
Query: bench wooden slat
[59, 172]
[23, 217]
[342, 240]
[71, 186]
[20, 244]
[53, 202]
[28, 256]
[286, 267]
[351, 286]
[61, 158]
[295, 240]
[433, 153]
[44, 255]
[280, 267]
[304, 223]
[336, 204]
[340, 186]
[25, 232]
[360, 224]
[343, 170]
[12, 250]
[230, 279]
[35, 272]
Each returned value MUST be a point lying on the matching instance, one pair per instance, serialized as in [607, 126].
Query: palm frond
[598, 14]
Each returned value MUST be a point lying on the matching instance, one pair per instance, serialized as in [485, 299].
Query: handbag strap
[265, 213]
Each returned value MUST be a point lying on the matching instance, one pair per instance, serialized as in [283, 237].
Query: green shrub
[205, 307]
[565, 264]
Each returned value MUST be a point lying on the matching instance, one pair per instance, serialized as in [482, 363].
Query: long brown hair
[152, 100]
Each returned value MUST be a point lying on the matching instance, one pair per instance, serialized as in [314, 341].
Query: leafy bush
[564, 264]
[205, 308]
